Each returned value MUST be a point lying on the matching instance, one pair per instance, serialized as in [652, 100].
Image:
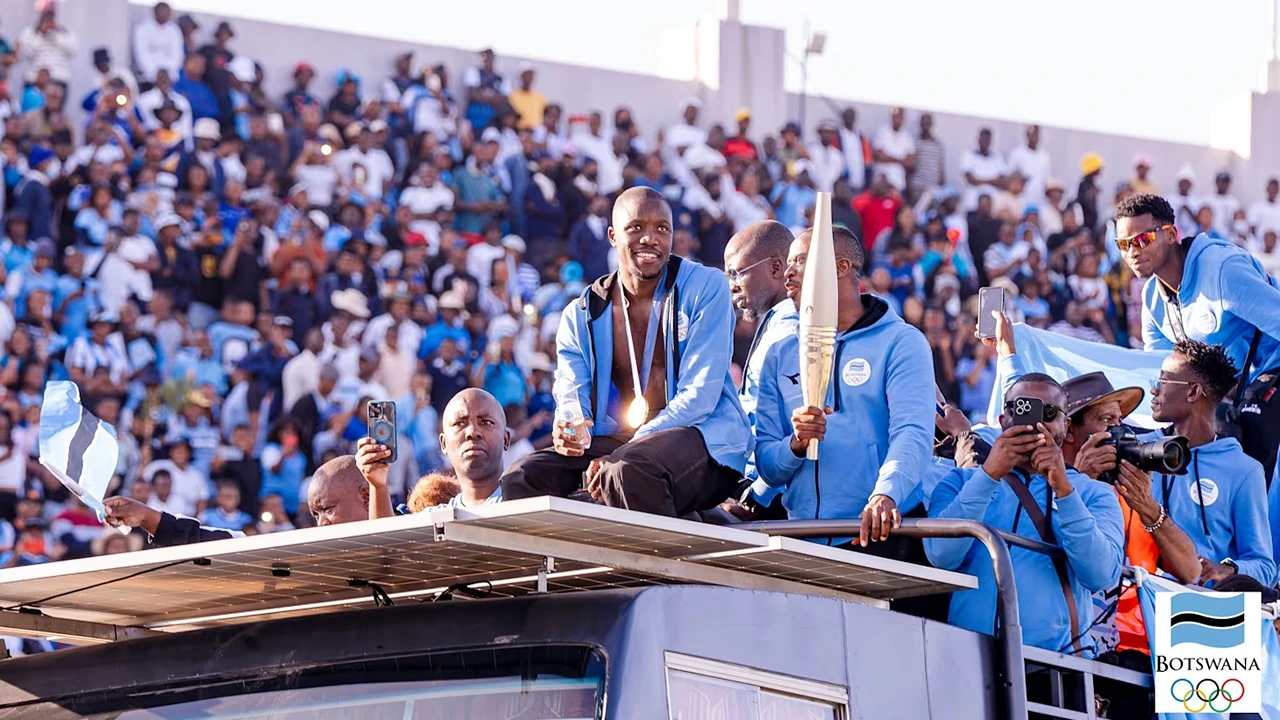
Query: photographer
[1093, 408]
[1025, 487]
[1222, 499]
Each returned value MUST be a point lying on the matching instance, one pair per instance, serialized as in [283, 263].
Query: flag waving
[78, 448]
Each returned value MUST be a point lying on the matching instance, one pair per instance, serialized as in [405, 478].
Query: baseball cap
[490, 135]
[742, 114]
[514, 242]
[320, 219]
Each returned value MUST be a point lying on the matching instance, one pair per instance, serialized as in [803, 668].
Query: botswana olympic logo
[1207, 698]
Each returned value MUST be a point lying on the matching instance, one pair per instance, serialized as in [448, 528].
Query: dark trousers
[667, 473]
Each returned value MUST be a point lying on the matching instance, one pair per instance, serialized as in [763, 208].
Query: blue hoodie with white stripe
[879, 441]
[1225, 294]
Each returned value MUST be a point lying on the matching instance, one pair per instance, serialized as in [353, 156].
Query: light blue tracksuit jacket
[695, 309]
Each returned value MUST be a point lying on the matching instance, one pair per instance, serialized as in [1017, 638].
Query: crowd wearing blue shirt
[244, 293]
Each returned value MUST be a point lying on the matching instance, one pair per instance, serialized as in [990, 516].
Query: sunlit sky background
[1154, 68]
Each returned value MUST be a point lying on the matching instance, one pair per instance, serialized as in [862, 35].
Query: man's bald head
[338, 492]
[634, 198]
[473, 435]
[759, 240]
[755, 260]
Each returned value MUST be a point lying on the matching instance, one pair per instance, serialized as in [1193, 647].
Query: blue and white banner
[1063, 358]
[78, 448]
[1200, 651]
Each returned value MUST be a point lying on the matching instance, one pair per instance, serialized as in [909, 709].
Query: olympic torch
[819, 301]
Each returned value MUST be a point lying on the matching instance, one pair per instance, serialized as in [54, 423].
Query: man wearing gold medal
[647, 414]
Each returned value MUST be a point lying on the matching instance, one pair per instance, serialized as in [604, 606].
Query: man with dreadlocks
[1221, 501]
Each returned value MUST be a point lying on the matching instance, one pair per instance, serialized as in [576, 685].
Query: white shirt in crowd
[1263, 216]
[1185, 208]
[151, 100]
[480, 261]
[301, 375]
[119, 278]
[377, 167]
[190, 487]
[1034, 165]
[684, 135]
[320, 182]
[376, 332]
[743, 210]
[423, 200]
[13, 471]
[982, 167]
[897, 144]
[54, 50]
[157, 47]
[851, 144]
[826, 166]
[430, 115]
[1224, 212]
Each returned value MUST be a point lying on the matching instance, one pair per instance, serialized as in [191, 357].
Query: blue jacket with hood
[1225, 294]
[694, 306]
[880, 439]
[1221, 504]
[1087, 524]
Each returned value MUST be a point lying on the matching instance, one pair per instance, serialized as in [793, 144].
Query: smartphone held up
[990, 300]
[382, 427]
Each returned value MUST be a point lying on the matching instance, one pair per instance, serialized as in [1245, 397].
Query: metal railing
[1010, 664]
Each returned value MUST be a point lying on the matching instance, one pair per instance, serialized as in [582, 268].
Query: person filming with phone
[1025, 487]
[1095, 410]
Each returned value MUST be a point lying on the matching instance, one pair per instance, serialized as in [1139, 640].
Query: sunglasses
[1140, 240]
[1051, 412]
[736, 276]
[1160, 381]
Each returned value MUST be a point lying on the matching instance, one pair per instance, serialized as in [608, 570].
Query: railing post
[1010, 670]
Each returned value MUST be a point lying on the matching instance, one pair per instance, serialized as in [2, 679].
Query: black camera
[1168, 455]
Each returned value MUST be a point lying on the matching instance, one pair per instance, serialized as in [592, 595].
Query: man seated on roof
[1026, 488]
[473, 436]
[337, 494]
[649, 345]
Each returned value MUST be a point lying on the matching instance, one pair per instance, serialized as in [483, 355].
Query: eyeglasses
[736, 276]
[1050, 411]
[1140, 240]
[1155, 384]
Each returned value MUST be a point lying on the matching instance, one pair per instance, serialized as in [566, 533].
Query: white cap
[377, 126]
[490, 135]
[514, 242]
[350, 300]
[320, 219]
[207, 129]
[166, 220]
[450, 301]
[690, 102]
[243, 69]
[1187, 173]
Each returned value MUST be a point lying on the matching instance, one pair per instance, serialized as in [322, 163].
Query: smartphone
[989, 300]
[1026, 411]
[939, 402]
[382, 426]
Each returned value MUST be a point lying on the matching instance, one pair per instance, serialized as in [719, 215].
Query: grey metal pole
[1010, 667]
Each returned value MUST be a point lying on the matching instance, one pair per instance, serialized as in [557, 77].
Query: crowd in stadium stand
[232, 276]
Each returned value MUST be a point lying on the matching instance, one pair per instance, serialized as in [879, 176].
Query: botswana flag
[78, 448]
[1215, 621]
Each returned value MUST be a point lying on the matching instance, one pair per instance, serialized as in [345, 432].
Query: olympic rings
[1206, 699]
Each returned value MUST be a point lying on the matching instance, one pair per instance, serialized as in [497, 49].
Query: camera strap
[1044, 527]
[1174, 306]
